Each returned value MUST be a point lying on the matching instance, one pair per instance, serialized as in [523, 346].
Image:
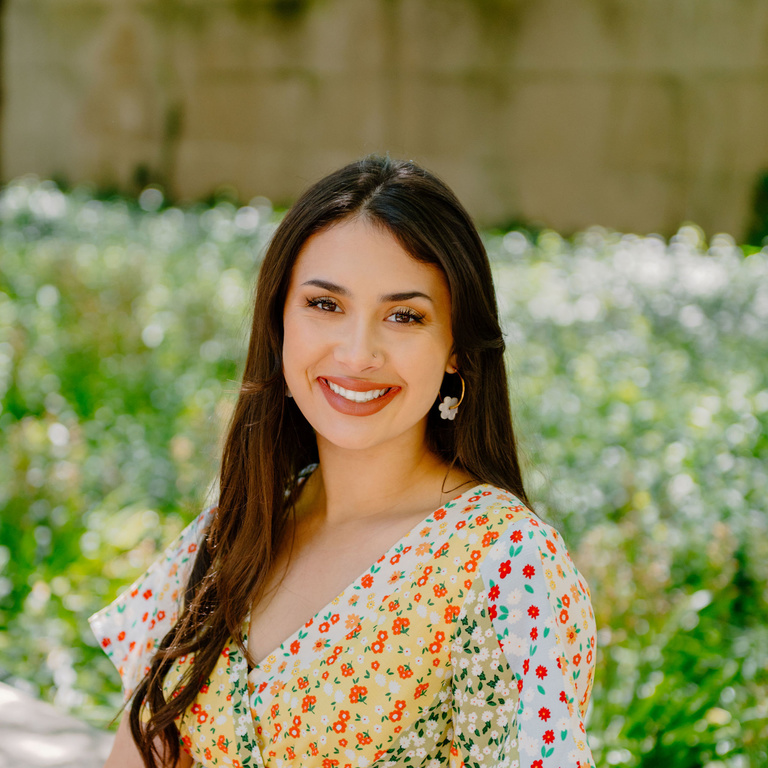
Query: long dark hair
[269, 440]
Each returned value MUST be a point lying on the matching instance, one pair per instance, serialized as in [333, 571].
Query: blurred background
[614, 154]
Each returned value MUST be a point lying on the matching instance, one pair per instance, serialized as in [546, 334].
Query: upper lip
[356, 385]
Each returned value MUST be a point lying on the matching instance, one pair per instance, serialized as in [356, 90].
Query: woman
[371, 587]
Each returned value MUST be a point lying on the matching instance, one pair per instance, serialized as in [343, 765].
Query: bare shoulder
[125, 753]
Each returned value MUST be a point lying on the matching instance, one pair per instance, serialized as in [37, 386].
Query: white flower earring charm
[450, 405]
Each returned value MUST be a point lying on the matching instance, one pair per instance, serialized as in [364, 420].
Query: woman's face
[367, 336]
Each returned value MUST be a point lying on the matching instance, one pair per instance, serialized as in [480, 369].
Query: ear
[451, 367]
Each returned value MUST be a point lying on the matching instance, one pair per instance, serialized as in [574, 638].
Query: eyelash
[416, 318]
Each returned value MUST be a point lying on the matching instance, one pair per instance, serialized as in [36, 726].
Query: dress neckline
[473, 490]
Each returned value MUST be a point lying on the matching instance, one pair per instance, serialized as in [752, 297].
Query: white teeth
[356, 397]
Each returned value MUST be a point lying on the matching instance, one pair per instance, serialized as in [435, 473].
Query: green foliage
[641, 392]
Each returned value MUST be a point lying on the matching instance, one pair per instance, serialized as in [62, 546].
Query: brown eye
[407, 317]
[327, 305]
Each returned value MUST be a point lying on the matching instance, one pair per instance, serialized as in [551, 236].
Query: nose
[358, 347]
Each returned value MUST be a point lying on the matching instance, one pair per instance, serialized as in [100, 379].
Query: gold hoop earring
[450, 405]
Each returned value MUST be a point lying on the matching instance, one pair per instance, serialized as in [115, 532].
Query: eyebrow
[326, 285]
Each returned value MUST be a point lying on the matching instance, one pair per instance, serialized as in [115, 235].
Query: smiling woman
[372, 587]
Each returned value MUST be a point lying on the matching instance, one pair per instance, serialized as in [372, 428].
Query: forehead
[358, 254]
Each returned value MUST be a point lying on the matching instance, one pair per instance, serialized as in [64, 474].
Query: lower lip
[342, 405]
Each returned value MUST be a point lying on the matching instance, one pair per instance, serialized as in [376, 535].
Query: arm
[125, 753]
[523, 656]
[542, 614]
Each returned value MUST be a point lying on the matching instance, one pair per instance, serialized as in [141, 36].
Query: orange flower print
[351, 622]
[367, 581]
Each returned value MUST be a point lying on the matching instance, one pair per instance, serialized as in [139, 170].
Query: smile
[363, 400]
[357, 397]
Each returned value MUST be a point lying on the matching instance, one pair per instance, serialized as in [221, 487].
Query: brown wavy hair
[269, 441]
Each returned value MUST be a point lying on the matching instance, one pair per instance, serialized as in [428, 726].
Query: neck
[399, 477]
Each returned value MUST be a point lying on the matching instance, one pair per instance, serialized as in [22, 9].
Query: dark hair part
[270, 441]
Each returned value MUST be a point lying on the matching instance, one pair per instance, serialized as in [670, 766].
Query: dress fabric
[470, 642]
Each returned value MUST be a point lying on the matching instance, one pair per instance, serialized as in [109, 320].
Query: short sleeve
[528, 649]
[131, 627]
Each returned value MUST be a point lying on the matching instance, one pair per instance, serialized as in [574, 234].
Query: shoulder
[131, 627]
[505, 535]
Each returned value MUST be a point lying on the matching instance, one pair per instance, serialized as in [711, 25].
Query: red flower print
[106, 642]
[440, 552]
[121, 636]
[439, 515]
[505, 569]
[534, 633]
[493, 592]
[563, 697]
[533, 612]
[541, 671]
[400, 624]
[451, 614]
[528, 571]
[517, 536]
[563, 616]
[367, 580]
[358, 693]
[146, 595]
[295, 645]
[526, 664]
[132, 645]
[549, 737]
[537, 764]
[544, 714]
[492, 612]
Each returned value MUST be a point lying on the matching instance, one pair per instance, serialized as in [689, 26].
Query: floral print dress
[470, 642]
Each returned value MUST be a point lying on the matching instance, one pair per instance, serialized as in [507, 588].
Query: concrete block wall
[632, 114]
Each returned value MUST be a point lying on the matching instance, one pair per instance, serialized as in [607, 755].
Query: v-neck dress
[470, 642]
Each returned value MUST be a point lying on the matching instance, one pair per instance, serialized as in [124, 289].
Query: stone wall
[633, 114]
